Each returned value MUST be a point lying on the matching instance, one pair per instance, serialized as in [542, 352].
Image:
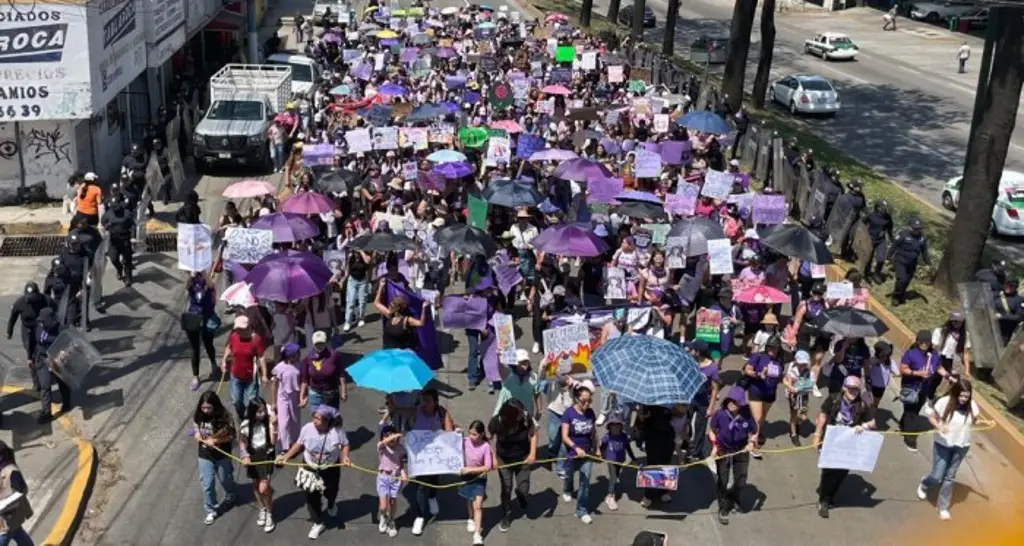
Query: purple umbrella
[430, 181]
[445, 53]
[453, 170]
[388, 42]
[553, 154]
[393, 89]
[331, 38]
[569, 240]
[581, 170]
[642, 196]
[609, 145]
[307, 202]
[287, 227]
[289, 276]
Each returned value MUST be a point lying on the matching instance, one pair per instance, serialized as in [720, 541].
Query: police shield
[141, 218]
[1009, 372]
[62, 307]
[841, 219]
[779, 165]
[764, 148]
[99, 264]
[72, 356]
[750, 144]
[817, 202]
[977, 304]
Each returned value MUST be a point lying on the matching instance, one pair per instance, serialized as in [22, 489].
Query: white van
[304, 70]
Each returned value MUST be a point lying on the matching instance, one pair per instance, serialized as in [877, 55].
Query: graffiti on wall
[47, 154]
[10, 167]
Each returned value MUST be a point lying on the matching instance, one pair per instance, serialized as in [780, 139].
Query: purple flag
[508, 276]
[464, 312]
[489, 350]
[604, 190]
[426, 334]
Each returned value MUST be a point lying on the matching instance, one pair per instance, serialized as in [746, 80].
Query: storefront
[165, 36]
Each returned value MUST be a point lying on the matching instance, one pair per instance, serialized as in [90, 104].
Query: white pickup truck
[831, 46]
[244, 98]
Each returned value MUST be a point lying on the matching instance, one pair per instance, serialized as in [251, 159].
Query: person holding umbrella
[846, 408]
[733, 432]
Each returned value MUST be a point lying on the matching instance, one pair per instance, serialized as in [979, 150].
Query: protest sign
[566, 350]
[588, 60]
[500, 95]
[660, 123]
[709, 325]
[615, 283]
[410, 171]
[642, 238]
[672, 151]
[720, 256]
[505, 332]
[473, 137]
[359, 141]
[195, 247]
[842, 290]
[604, 190]
[769, 209]
[615, 74]
[675, 252]
[546, 107]
[499, 150]
[665, 478]
[468, 312]
[717, 185]
[560, 75]
[477, 212]
[72, 356]
[565, 54]
[527, 145]
[433, 452]
[248, 246]
[642, 107]
[659, 232]
[508, 276]
[336, 260]
[318, 154]
[687, 198]
[648, 164]
[385, 138]
[441, 133]
[817, 271]
[413, 137]
[844, 449]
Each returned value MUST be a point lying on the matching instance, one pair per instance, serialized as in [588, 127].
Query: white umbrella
[239, 295]
[450, 10]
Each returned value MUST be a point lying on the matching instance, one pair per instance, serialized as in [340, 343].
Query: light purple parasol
[553, 154]
[307, 202]
[287, 227]
[581, 170]
[454, 170]
[570, 240]
[288, 276]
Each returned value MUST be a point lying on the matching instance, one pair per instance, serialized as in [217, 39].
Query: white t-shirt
[958, 428]
[948, 349]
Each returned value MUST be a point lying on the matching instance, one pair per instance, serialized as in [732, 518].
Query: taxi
[831, 46]
[1008, 214]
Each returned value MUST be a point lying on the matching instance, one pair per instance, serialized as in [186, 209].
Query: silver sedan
[806, 94]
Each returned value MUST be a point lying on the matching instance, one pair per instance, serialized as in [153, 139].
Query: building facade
[80, 80]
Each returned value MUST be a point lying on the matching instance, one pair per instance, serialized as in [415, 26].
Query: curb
[80, 490]
[1004, 436]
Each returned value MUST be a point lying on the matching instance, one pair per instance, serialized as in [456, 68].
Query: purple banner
[318, 154]
[489, 350]
[464, 312]
[672, 151]
[508, 276]
[527, 145]
[604, 190]
[769, 209]
[426, 334]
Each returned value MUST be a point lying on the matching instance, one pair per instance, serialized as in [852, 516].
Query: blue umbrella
[704, 121]
[446, 156]
[391, 370]
[393, 89]
[647, 370]
[453, 170]
[512, 194]
[425, 112]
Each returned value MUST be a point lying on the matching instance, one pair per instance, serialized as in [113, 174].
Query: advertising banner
[44, 60]
[117, 47]
[165, 29]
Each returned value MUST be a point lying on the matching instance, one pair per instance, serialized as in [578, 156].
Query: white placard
[615, 74]
[839, 291]
[498, 149]
[844, 449]
[615, 283]
[195, 247]
[433, 453]
[720, 256]
[248, 246]
[660, 123]
[588, 60]
[717, 185]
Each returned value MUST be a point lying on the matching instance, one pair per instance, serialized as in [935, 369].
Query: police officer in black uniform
[27, 308]
[119, 223]
[880, 226]
[133, 169]
[166, 184]
[90, 237]
[853, 200]
[1009, 309]
[909, 247]
[57, 281]
[994, 276]
[42, 376]
[75, 259]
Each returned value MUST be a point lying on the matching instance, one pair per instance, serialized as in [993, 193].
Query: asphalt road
[906, 111]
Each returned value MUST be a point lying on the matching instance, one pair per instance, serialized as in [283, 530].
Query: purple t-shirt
[613, 447]
[732, 431]
[320, 370]
[765, 386]
[581, 428]
[917, 361]
[703, 397]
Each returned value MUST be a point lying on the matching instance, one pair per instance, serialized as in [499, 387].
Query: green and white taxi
[831, 46]
[1008, 214]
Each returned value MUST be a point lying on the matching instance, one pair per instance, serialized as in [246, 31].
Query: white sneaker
[609, 501]
[536, 348]
[392, 530]
[361, 323]
[269, 526]
[601, 419]
[921, 493]
[817, 392]
[261, 518]
[315, 530]
[585, 518]
[382, 525]
[210, 516]
[432, 504]
[470, 526]
[477, 539]
[566, 497]
[944, 515]
[417, 526]
[346, 327]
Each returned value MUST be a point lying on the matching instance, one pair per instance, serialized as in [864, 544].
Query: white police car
[1008, 214]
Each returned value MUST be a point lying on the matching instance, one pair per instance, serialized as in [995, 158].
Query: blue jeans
[945, 463]
[355, 299]
[473, 366]
[243, 392]
[220, 469]
[20, 537]
[315, 399]
[277, 155]
[555, 446]
[584, 467]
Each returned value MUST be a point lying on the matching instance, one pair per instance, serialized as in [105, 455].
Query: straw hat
[770, 320]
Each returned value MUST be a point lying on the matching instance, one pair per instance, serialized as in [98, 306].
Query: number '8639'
[21, 110]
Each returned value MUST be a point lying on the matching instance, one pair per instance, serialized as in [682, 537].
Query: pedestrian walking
[17, 511]
[909, 247]
[890, 19]
[962, 55]
[215, 431]
[845, 408]
[256, 440]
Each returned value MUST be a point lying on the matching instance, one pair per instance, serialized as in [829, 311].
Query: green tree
[986, 154]
[739, 46]
[669, 42]
[764, 61]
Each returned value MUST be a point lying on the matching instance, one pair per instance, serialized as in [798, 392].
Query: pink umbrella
[239, 295]
[553, 154]
[762, 295]
[249, 188]
[556, 18]
[307, 203]
[507, 125]
[556, 90]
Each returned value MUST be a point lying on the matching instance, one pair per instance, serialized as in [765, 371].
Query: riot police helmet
[882, 206]
[137, 150]
[818, 289]
[916, 226]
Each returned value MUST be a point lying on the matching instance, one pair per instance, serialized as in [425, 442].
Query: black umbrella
[695, 233]
[588, 113]
[795, 241]
[852, 322]
[337, 180]
[512, 194]
[465, 239]
[641, 209]
[383, 241]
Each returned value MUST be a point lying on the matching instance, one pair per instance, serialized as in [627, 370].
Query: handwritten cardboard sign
[433, 452]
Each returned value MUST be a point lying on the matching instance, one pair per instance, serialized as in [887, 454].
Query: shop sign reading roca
[44, 61]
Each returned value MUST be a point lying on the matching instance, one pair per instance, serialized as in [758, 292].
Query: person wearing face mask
[733, 433]
[917, 365]
[951, 342]
[57, 281]
[119, 223]
[909, 247]
[846, 409]
[880, 224]
[849, 357]
[520, 383]
[28, 308]
[198, 321]
[75, 259]
[1009, 309]
[42, 376]
[762, 373]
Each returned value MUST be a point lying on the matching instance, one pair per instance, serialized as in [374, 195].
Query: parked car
[626, 16]
[938, 12]
[1008, 214]
[806, 94]
[710, 49]
[976, 18]
[831, 46]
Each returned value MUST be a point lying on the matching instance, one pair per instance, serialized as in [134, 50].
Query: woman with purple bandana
[763, 373]
[846, 409]
[285, 393]
[732, 431]
[917, 365]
